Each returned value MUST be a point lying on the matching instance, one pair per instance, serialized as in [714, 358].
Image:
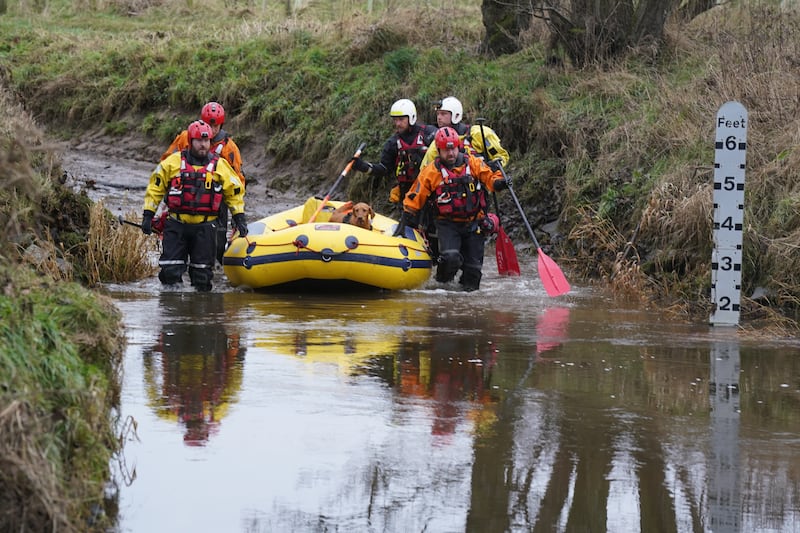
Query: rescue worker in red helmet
[213, 114]
[194, 183]
[402, 153]
[457, 182]
[222, 143]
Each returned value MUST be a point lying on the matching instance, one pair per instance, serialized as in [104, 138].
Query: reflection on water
[443, 411]
[194, 370]
[723, 495]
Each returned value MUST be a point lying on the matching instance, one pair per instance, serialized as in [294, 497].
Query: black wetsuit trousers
[191, 246]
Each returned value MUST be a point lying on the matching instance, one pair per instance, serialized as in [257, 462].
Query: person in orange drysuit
[456, 182]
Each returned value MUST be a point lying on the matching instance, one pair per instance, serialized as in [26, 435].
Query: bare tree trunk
[504, 20]
[597, 30]
[691, 8]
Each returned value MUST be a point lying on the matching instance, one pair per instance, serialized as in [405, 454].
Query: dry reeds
[748, 54]
[679, 212]
[117, 253]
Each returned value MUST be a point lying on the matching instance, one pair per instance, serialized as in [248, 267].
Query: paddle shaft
[486, 159]
[123, 221]
[338, 180]
[507, 263]
[549, 272]
[519, 207]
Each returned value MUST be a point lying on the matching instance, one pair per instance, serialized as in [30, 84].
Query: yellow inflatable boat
[285, 251]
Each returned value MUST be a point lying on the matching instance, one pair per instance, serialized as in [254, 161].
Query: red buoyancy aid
[409, 157]
[195, 192]
[459, 194]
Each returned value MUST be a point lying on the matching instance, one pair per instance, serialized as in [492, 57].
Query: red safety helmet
[213, 113]
[199, 130]
[447, 138]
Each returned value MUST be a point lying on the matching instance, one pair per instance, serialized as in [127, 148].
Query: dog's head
[362, 215]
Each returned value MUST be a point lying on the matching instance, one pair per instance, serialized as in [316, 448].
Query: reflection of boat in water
[362, 330]
[195, 369]
[285, 250]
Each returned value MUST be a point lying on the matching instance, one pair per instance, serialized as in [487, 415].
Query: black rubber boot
[470, 279]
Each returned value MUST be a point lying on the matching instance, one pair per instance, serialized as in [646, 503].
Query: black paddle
[156, 229]
[123, 221]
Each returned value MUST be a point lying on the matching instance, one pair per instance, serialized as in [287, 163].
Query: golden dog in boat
[360, 214]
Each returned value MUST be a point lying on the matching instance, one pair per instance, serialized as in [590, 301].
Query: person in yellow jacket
[213, 114]
[222, 143]
[195, 183]
[450, 113]
[456, 182]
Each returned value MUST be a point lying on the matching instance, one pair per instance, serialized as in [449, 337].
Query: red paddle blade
[552, 278]
[507, 264]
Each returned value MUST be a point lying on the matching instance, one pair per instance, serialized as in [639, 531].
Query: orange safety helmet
[447, 138]
[213, 113]
[199, 130]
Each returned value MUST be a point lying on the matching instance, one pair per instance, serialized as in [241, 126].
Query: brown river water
[438, 410]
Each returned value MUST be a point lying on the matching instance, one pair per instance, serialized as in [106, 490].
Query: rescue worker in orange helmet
[213, 114]
[457, 183]
[195, 183]
[402, 153]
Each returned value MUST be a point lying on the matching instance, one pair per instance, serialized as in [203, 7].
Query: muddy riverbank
[105, 173]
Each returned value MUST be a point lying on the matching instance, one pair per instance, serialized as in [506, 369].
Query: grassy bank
[60, 345]
[615, 162]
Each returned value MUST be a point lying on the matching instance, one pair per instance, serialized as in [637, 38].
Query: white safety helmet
[404, 108]
[452, 104]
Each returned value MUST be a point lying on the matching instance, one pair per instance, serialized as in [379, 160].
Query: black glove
[412, 221]
[147, 222]
[400, 230]
[487, 223]
[362, 166]
[495, 164]
[502, 184]
[407, 220]
[240, 222]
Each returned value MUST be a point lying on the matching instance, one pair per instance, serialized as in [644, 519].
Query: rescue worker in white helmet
[223, 144]
[457, 182]
[402, 153]
[194, 183]
[450, 113]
